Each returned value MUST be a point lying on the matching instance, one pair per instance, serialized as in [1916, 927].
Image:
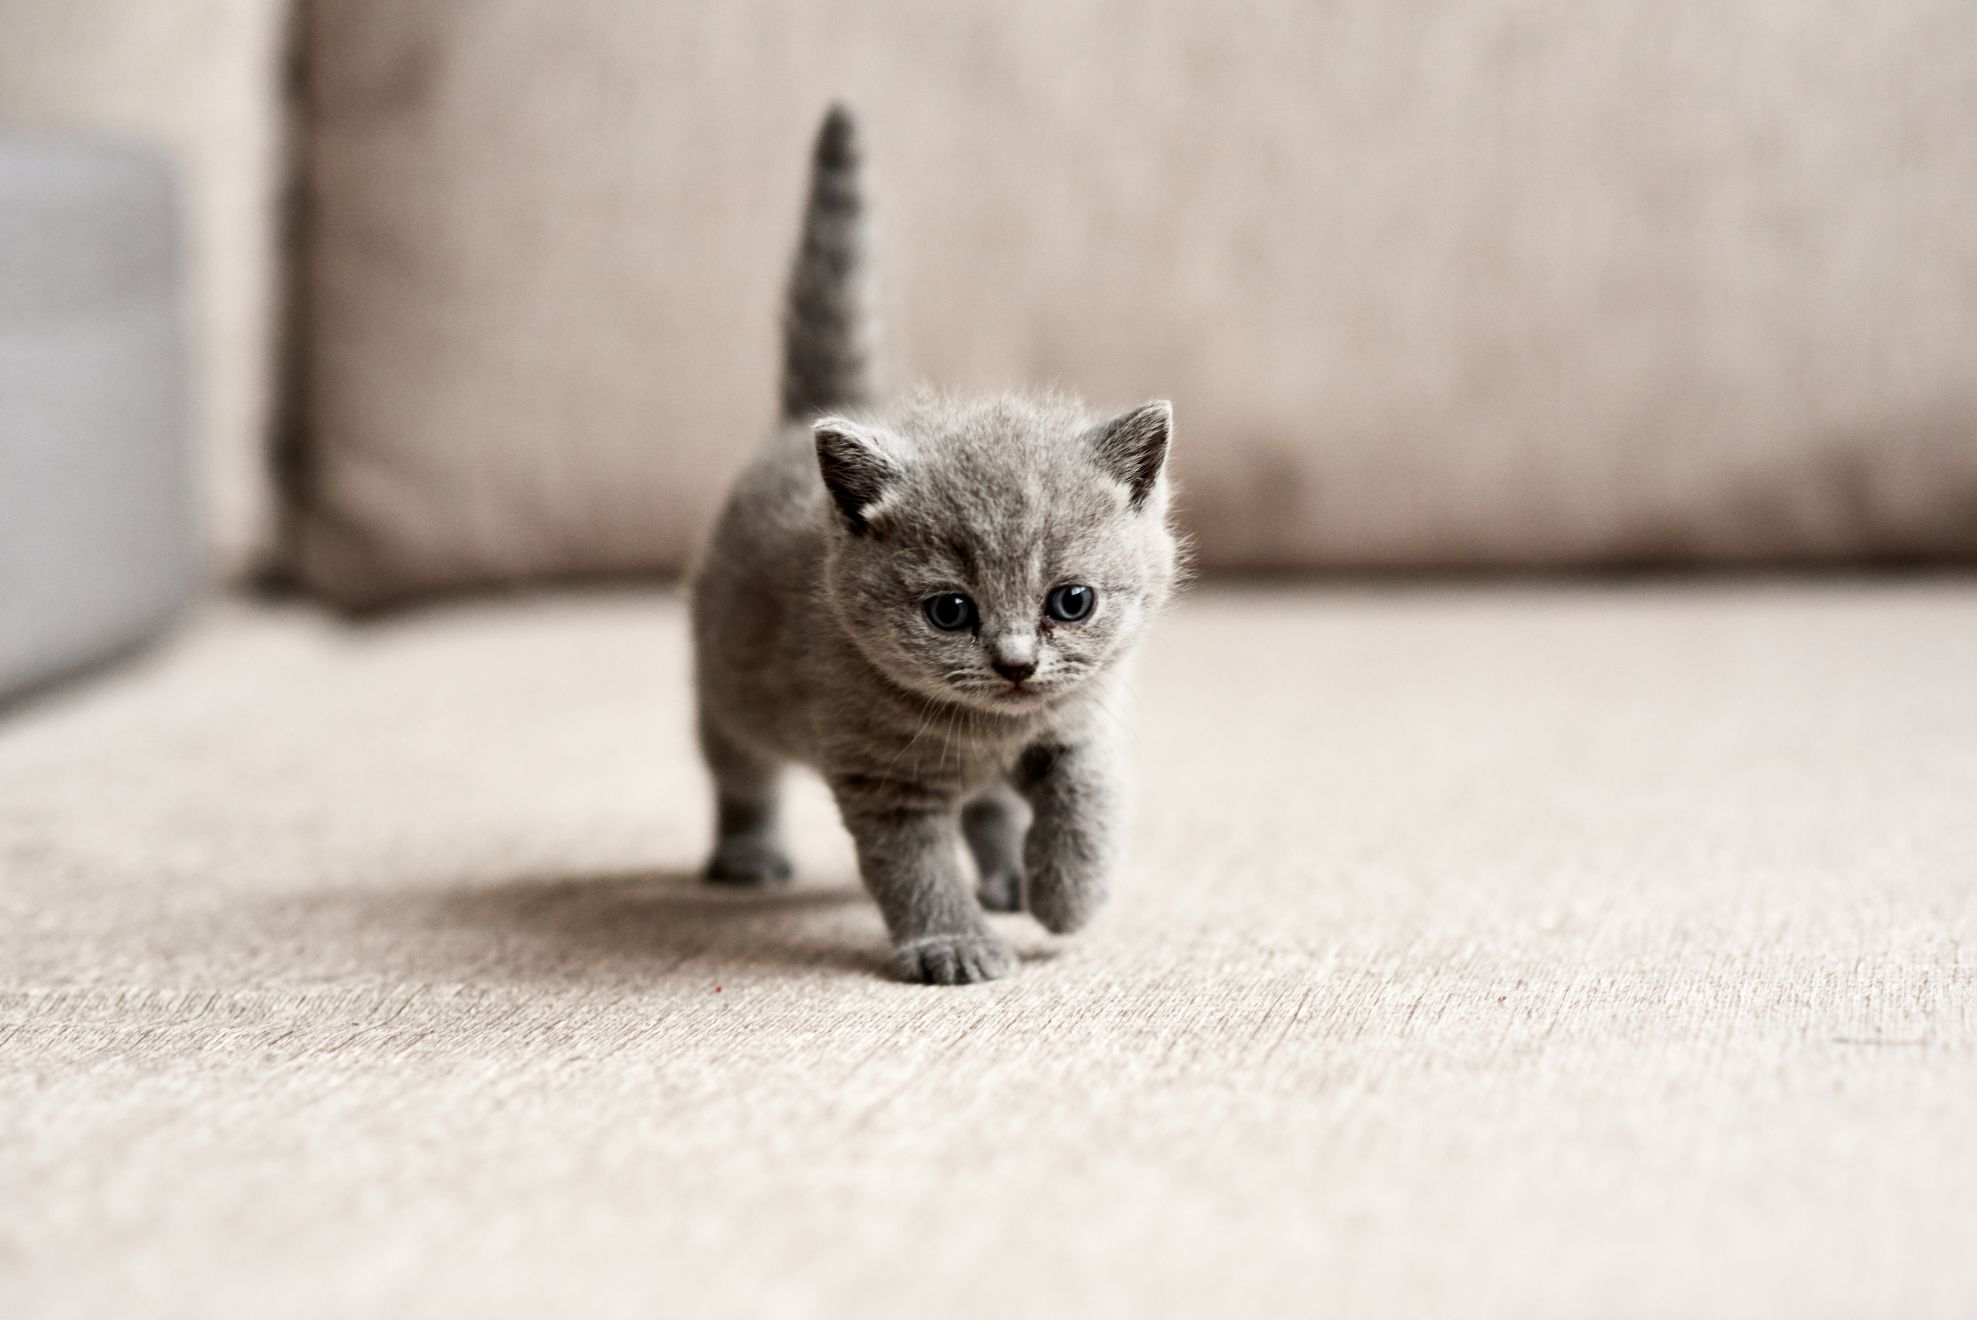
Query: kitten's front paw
[1002, 891]
[748, 861]
[952, 959]
[1062, 902]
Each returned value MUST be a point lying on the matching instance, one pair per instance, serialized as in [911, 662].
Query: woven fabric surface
[1495, 951]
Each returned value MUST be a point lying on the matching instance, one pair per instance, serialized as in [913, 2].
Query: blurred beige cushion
[1498, 283]
[200, 79]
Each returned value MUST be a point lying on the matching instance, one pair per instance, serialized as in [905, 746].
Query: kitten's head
[997, 553]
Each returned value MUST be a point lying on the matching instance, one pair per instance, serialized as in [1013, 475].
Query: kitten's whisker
[1125, 725]
[924, 721]
[947, 739]
[1118, 720]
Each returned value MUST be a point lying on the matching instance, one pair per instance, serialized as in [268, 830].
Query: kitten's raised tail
[829, 336]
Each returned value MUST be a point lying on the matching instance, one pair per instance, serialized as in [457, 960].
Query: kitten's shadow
[641, 925]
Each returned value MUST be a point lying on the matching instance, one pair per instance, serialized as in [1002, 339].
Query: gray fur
[812, 647]
[829, 342]
[995, 826]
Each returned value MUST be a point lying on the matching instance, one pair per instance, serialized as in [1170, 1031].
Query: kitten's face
[998, 555]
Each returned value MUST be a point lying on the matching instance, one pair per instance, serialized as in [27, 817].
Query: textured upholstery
[1511, 952]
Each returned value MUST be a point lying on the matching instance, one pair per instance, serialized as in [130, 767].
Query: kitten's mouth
[1008, 697]
[1020, 694]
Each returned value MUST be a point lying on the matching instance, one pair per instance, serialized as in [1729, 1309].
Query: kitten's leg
[909, 860]
[748, 846]
[993, 825]
[1075, 789]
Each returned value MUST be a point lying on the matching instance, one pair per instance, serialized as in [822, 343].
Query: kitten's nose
[1013, 670]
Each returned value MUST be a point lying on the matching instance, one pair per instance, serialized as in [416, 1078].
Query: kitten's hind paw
[1002, 891]
[744, 861]
[952, 959]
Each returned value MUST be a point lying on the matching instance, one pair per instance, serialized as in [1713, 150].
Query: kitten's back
[755, 589]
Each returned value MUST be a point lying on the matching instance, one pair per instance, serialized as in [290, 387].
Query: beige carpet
[1500, 951]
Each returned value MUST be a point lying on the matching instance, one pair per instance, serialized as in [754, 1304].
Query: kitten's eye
[1069, 604]
[950, 611]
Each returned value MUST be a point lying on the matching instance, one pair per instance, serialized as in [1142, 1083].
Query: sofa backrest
[1492, 283]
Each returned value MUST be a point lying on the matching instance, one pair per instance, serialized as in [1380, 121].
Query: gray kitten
[931, 604]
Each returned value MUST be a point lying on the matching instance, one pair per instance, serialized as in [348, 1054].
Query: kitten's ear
[856, 471]
[1133, 448]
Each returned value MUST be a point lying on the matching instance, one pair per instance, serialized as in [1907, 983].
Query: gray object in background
[95, 526]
